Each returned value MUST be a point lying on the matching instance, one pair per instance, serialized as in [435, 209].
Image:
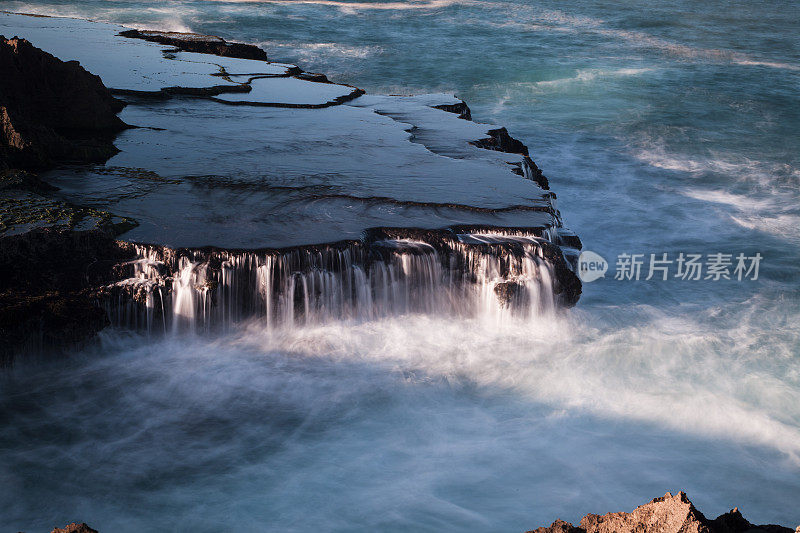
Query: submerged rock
[668, 514]
[52, 111]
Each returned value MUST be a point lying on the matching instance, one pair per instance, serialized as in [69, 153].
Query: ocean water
[662, 128]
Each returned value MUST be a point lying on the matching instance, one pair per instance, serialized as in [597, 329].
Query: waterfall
[489, 275]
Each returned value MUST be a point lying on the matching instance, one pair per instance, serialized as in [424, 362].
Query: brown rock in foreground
[668, 514]
[52, 111]
[74, 528]
[195, 42]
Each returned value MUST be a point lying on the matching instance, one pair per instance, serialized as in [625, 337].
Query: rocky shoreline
[59, 256]
[204, 44]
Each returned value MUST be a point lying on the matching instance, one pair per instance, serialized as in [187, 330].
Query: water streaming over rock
[487, 275]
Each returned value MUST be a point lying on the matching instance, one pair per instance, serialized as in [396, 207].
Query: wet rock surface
[668, 514]
[194, 42]
[52, 111]
[461, 109]
[500, 140]
[369, 193]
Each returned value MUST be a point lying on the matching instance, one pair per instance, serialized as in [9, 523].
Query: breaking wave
[585, 76]
[315, 51]
[535, 19]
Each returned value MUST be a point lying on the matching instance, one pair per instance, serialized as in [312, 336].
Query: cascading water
[486, 275]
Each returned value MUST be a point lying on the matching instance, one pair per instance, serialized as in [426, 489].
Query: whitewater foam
[314, 51]
[426, 421]
[537, 19]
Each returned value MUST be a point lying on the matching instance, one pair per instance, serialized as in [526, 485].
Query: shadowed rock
[530, 170]
[668, 514]
[195, 42]
[461, 109]
[52, 111]
[45, 281]
[502, 141]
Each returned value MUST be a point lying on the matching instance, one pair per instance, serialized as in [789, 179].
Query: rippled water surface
[662, 128]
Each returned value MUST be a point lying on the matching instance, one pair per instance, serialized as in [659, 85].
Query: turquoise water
[662, 128]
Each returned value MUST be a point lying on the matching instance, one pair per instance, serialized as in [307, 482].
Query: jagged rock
[52, 111]
[734, 522]
[461, 109]
[668, 514]
[74, 528]
[559, 526]
[195, 42]
[529, 169]
[501, 141]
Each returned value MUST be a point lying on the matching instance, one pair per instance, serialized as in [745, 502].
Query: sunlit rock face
[255, 190]
[667, 514]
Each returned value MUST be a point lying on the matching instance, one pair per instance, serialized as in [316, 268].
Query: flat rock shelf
[245, 165]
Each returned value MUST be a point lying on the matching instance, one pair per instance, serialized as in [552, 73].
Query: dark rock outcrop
[461, 109]
[52, 111]
[195, 42]
[501, 141]
[530, 170]
[312, 76]
[668, 514]
[46, 281]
